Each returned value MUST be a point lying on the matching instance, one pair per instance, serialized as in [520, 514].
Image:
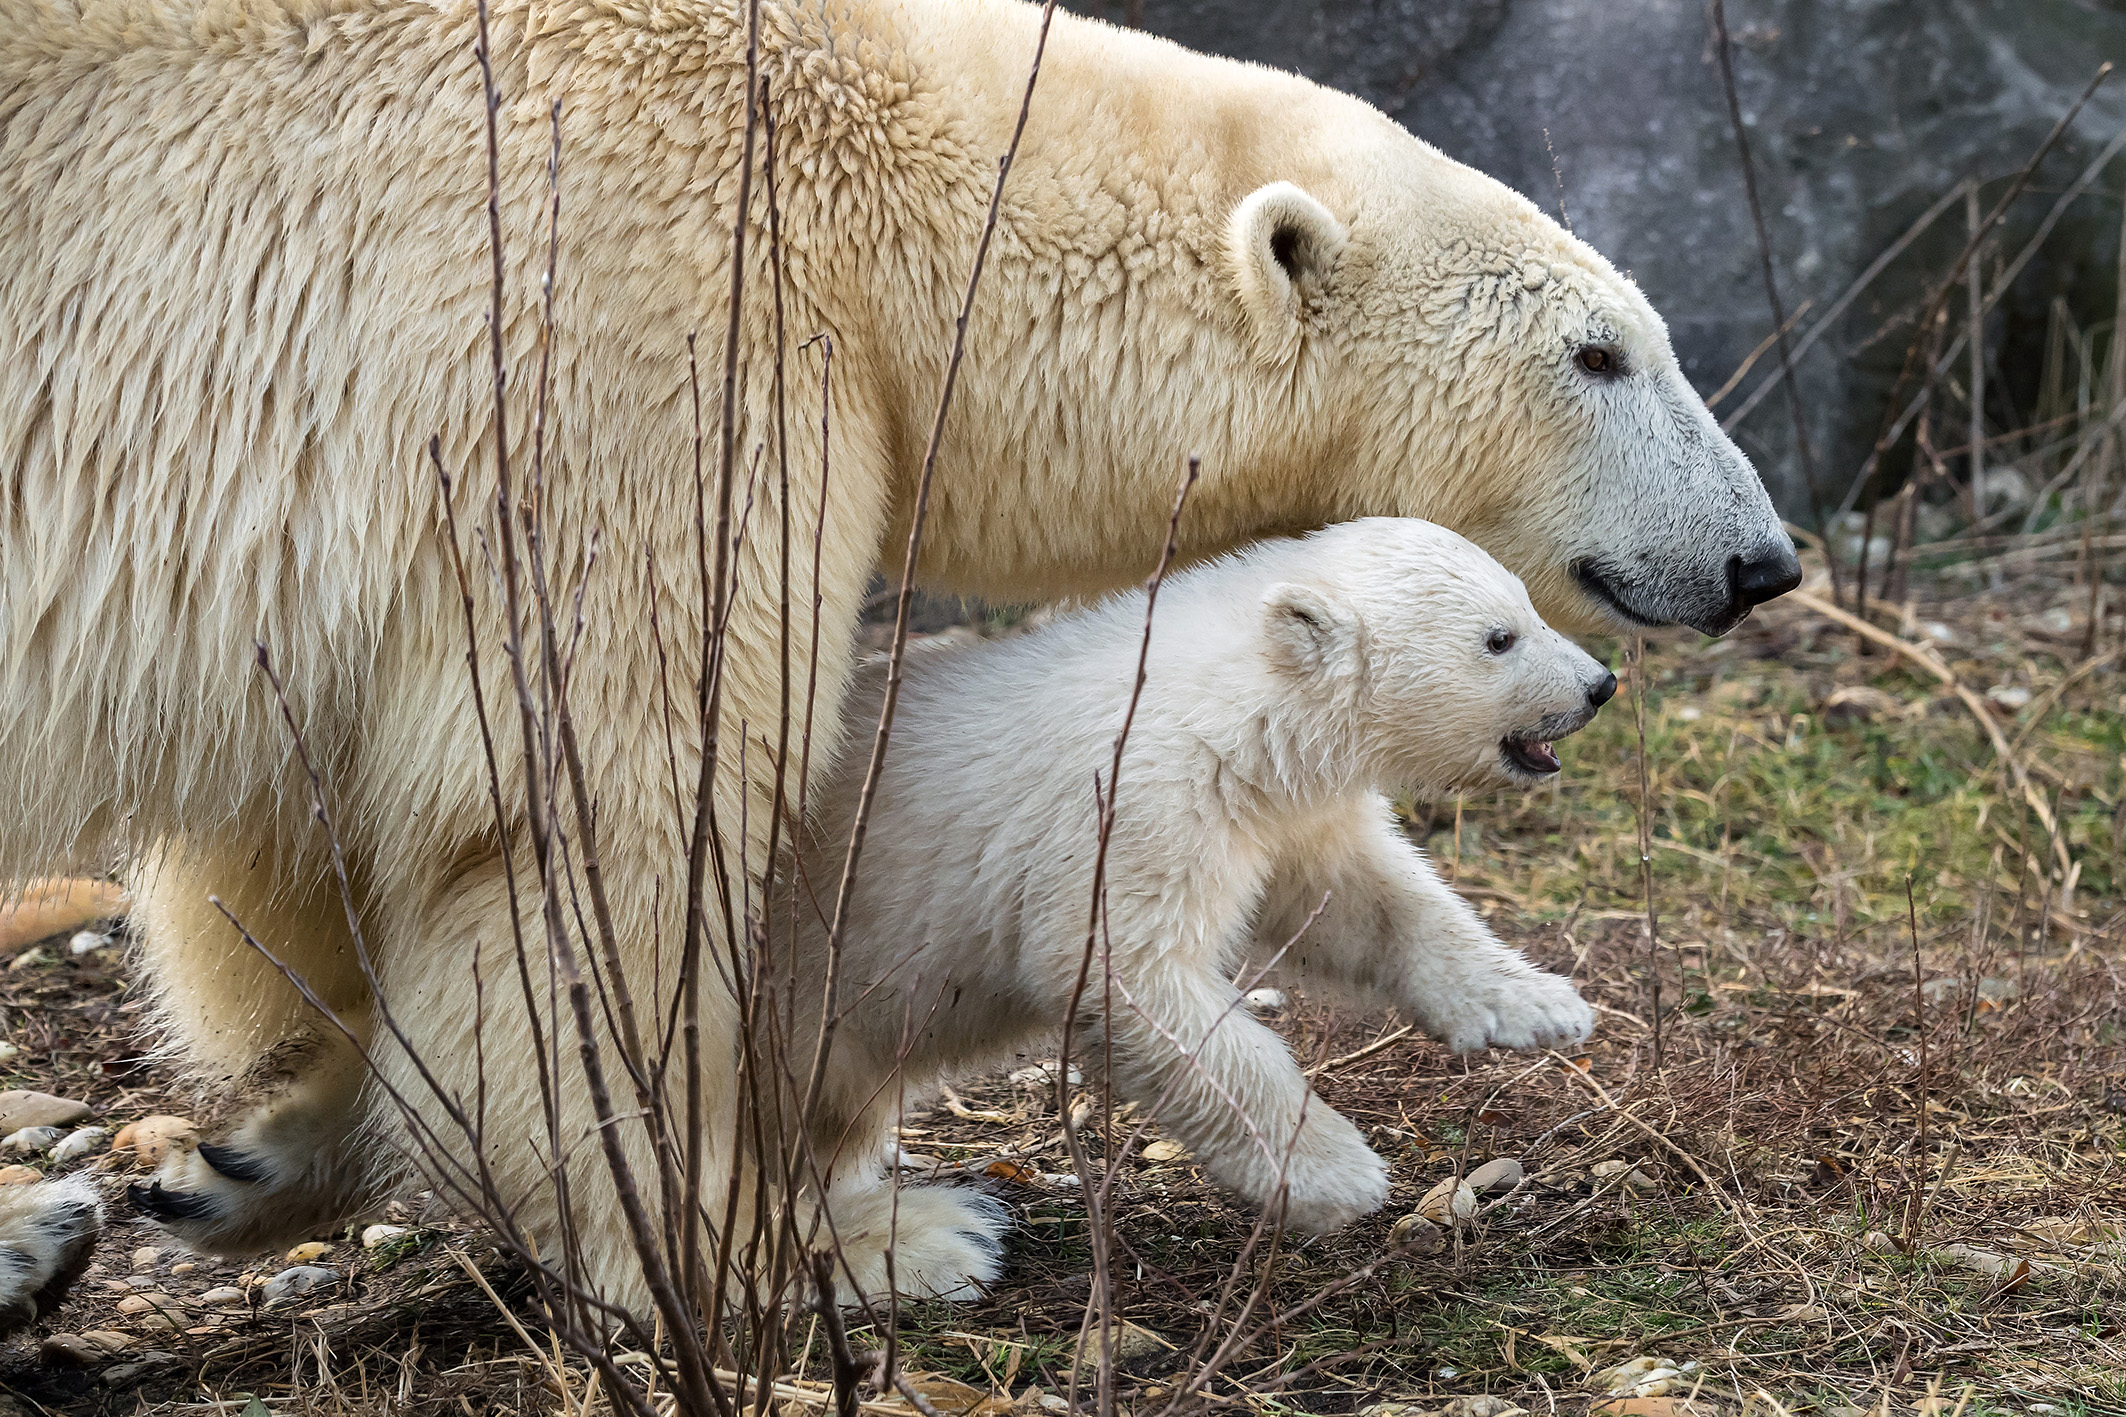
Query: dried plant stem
[1920, 355]
[2096, 482]
[1102, 1280]
[708, 1293]
[1975, 284]
[1771, 288]
[1646, 842]
[906, 600]
[1919, 1030]
[1926, 658]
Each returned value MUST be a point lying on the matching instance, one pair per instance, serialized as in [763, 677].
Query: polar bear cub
[1287, 685]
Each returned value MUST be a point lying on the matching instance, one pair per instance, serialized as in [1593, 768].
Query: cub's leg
[947, 1242]
[277, 1158]
[1394, 931]
[48, 1231]
[1222, 1083]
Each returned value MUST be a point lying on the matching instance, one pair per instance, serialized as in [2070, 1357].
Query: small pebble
[1164, 1151]
[377, 1235]
[38, 1109]
[2009, 696]
[86, 942]
[151, 1138]
[83, 1141]
[1266, 1000]
[143, 1303]
[1878, 1243]
[1494, 1177]
[132, 1372]
[290, 1283]
[30, 1140]
[19, 1175]
[1485, 1406]
[1633, 1177]
[183, 1268]
[8, 1051]
[1044, 1075]
[68, 1350]
[145, 1258]
[107, 1341]
[309, 1250]
[1420, 1235]
[1450, 1201]
[1973, 1258]
[227, 1296]
[1639, 1377]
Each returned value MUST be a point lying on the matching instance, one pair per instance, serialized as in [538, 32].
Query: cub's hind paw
[947, 1242]
[48, 1231]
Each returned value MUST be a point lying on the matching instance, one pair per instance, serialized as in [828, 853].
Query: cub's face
[1434, 655]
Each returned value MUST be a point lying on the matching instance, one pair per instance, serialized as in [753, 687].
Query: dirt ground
[1869, 1161]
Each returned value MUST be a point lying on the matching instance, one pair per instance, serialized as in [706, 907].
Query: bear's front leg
[1392, 930]
[1229, 1090]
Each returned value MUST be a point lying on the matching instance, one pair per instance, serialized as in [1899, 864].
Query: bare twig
[1771, 281]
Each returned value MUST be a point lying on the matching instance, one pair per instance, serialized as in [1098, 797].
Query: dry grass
[1796, 784]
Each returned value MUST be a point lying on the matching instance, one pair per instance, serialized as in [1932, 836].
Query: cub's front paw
[1520, 1011]
[1330, 1177]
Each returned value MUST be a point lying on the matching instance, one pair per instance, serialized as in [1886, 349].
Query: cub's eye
[1599, 359]
[1499, 641]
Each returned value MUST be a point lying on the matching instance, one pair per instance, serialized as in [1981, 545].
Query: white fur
[1286, 685]
[243, 281]
[48, 1234]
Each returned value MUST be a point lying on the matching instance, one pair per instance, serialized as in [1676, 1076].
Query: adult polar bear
[243, 280]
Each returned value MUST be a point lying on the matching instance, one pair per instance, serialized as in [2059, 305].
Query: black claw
[233, 1163]
[158, 1204]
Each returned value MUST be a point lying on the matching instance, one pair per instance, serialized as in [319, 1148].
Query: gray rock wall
[1861, 113]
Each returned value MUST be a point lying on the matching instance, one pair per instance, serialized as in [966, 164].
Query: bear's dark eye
[1599, 359]
[1499, 640]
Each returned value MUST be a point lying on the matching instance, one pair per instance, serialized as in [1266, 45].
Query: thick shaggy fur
[48, 1236]
[1286, 686]
[243, 280]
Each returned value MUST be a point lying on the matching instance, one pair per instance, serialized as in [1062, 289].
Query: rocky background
[1861, 115]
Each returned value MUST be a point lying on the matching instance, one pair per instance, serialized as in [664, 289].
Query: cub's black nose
[1602, 691]
[1765, 574]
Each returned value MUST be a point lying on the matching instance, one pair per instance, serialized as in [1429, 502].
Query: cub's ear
[1309, 631]
[1282, 248]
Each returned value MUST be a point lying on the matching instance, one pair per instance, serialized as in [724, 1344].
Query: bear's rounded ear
[1309, 632]
[1282, 248]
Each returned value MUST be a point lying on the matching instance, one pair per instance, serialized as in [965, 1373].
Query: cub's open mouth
[1530, 755]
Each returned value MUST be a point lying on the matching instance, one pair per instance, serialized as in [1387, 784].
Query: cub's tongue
[1533, 754]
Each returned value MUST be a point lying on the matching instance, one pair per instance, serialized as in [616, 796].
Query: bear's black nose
[1602, 691]
[1765, 574]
